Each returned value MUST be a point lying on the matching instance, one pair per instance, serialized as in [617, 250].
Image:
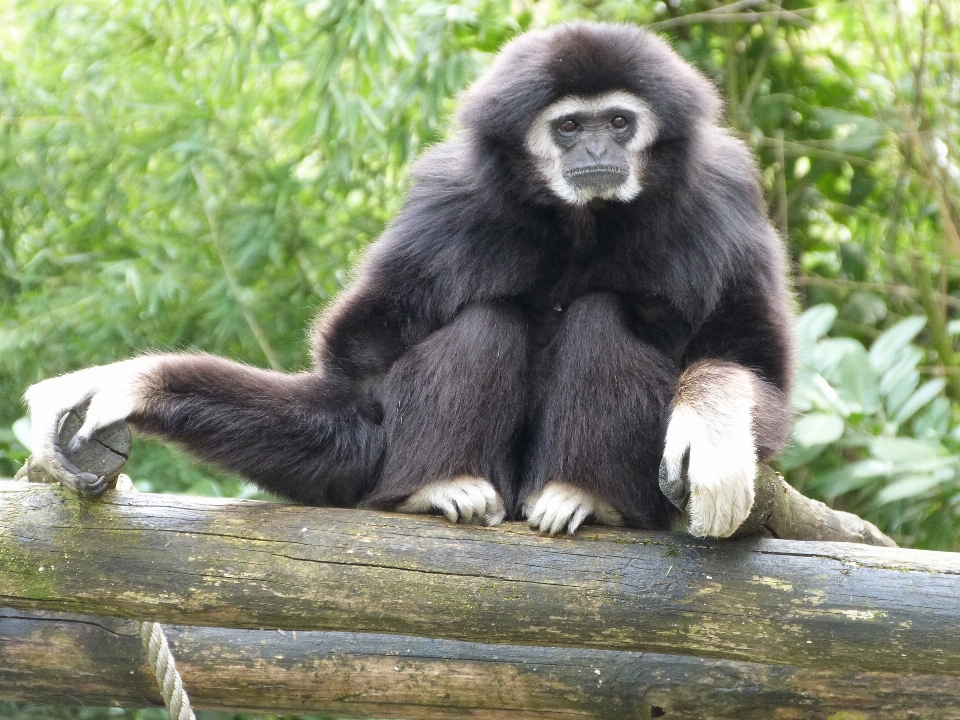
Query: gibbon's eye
[619, 122]
[568, 126]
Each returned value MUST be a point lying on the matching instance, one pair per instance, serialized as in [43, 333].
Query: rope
[165, 668]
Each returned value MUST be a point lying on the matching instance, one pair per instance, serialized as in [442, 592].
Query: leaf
[935, 420]
[796, 455]
[855, 380]
[818, 428]
[909, 486]
[21, 430]
[830, 352]
[805, 395]
[901, 392]
[904, 451]
[815, 323]
[830, 396]
[924, 394]
[907, 361]
[851, 477]
[883, 351]
[812, 392]
[834, 117]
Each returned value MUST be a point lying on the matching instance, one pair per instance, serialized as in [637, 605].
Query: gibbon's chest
[594, 258]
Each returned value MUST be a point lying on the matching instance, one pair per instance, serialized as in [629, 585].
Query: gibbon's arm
[731, 408]
[412, 281]
[295, 435]
[311, 437]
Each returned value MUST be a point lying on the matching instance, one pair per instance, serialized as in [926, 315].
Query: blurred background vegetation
[187, 174]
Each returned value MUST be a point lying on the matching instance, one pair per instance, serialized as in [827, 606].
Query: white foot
[710, 454]
[114, 392]
[466, 498]
[559, 505]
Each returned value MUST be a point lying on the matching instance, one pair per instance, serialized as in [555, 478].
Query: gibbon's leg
[597, 434]
[724, 418]
[453, 407]
[299, 436]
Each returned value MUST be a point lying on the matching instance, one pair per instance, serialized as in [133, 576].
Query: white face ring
[549, 156]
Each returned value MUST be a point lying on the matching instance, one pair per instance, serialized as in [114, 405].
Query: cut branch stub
[782, 512]
[104, 455]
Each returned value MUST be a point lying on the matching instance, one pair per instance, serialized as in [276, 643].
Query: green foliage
[873, 436]
[198, 175]
[203, 176]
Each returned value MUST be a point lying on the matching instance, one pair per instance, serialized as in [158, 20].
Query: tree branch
[248, 564]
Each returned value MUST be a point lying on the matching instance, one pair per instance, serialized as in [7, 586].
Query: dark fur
[448, 354]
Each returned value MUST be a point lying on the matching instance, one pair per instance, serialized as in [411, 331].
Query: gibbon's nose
[596, 149]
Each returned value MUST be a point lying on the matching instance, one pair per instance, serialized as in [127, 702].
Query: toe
[565, 511]
[579, 516]
[448, 507]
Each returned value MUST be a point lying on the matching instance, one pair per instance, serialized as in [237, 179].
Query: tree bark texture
[246, 564]
[58, 659]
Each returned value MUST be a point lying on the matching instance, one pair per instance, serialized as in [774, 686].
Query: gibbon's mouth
[597, 176]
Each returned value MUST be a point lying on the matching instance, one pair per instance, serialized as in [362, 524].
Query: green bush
[872, 435]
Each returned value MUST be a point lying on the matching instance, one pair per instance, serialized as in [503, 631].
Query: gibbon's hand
[709, 465]
[110, 392]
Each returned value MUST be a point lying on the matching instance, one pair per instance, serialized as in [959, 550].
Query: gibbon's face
[588, 148]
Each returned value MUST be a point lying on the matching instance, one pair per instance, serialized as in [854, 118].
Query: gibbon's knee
[598, 348]
[453, 404]
[599, 424]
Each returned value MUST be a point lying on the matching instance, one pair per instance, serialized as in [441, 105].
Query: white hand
[714, 457]
[113, 391]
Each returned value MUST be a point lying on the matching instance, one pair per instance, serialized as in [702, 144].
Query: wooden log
[59, 659]
[778, 510]
[230, 563]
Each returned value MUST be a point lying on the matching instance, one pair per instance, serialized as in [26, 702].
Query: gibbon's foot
[108, 394]
[466, 499]
[708, 468]
[558, 505]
